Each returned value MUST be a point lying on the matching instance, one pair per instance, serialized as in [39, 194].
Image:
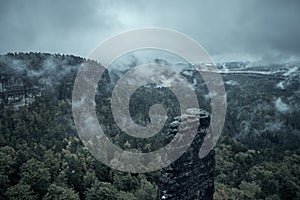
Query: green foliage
[147, 191]
[21, 191]
[242, 173]
[126, 196]
[56, 192]
[102, 191]
[249, 190]
[7, 162]
[34, 173]
[125, 182]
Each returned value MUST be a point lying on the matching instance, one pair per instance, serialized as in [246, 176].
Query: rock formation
[189, 177]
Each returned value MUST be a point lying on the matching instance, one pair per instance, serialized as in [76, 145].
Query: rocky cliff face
[189, 177]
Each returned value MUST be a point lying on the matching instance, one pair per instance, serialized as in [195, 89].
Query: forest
[42, 156]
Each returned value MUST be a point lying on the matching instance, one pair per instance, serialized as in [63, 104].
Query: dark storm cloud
[232, 29]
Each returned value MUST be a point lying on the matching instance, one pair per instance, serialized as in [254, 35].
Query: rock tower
[189, 177]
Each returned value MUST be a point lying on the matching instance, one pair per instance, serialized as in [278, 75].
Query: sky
[229, 30]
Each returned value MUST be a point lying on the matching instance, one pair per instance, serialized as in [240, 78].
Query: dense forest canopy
[42, 157]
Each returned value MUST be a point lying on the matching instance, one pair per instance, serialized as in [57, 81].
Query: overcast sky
[227, 29]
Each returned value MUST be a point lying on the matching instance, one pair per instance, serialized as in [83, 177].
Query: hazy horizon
[229, 31]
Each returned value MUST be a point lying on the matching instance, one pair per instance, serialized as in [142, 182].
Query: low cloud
[229, 30]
